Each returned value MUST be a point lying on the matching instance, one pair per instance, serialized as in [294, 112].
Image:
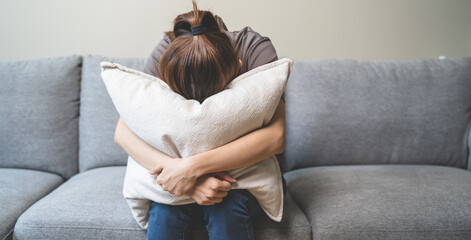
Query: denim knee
[232, 218]
[169, 221]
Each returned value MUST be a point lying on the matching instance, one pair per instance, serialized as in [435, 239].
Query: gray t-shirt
[253, 49]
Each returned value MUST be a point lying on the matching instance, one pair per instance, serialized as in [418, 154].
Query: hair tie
[198, 29]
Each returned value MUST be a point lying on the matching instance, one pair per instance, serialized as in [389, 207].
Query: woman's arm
[139, 150]
[180, 176]
[208, 189]
[148, 156]
[246, 150]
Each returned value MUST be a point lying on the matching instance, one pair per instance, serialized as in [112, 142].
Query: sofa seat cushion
[90, 205]
[384, 201]
[19, 189]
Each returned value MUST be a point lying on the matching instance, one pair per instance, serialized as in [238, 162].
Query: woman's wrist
[196, 166]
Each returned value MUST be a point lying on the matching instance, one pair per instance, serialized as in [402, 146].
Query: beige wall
[300, 29]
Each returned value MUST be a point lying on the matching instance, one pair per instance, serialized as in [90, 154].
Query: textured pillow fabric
[182, 128]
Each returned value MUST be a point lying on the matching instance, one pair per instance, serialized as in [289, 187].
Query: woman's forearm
[246, 150]
[138, 149]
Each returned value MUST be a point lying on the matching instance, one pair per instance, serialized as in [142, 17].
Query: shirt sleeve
[261, 52]
[151, 65]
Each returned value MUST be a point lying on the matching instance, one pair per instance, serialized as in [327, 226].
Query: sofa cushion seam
[8, 233]
[133, 229]
[257, 229]
[78, 227]
[405, 230]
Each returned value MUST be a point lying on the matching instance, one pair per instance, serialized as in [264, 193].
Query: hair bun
[195, 22]
[209, 21]
[182, 28]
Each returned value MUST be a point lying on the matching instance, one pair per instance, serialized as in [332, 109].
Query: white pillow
[183, 128]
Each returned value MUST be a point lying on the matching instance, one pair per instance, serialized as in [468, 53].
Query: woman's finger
[217, 194]
[225, 176]
[215, 199]
[156, 170]
[223, 186]
[220, 194]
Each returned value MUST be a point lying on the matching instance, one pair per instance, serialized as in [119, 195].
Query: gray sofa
[374, 150]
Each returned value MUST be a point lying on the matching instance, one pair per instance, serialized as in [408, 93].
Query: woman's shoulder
[253, 48]
[248, 41]
[244, 32]
[247, 32]
[151, 65]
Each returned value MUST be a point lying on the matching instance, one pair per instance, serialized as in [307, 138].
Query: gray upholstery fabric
[384, 201]
[91, 206]
[98, 116]
[342, 112]
[31, 135]
[19, 189]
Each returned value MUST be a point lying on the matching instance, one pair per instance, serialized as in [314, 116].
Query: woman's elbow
[116, 137]
[280, 142]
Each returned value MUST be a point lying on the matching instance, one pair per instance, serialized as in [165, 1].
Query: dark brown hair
[198, 66]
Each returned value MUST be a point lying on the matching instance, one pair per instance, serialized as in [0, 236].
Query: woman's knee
[168, 221]
[161, 211]
[231, 218]
[238, 204]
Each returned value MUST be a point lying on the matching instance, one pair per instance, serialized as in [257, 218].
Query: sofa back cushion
[39, 114]
[98, 116]
[342, 112]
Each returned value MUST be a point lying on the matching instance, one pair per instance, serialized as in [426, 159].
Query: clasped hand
[177, 176]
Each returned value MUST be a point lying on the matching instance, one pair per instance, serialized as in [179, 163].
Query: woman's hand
[175, 175]
[211, 188]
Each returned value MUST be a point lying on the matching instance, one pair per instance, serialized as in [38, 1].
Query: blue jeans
[229, 219]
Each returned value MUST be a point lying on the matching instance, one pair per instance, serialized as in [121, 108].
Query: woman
[197, 59]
